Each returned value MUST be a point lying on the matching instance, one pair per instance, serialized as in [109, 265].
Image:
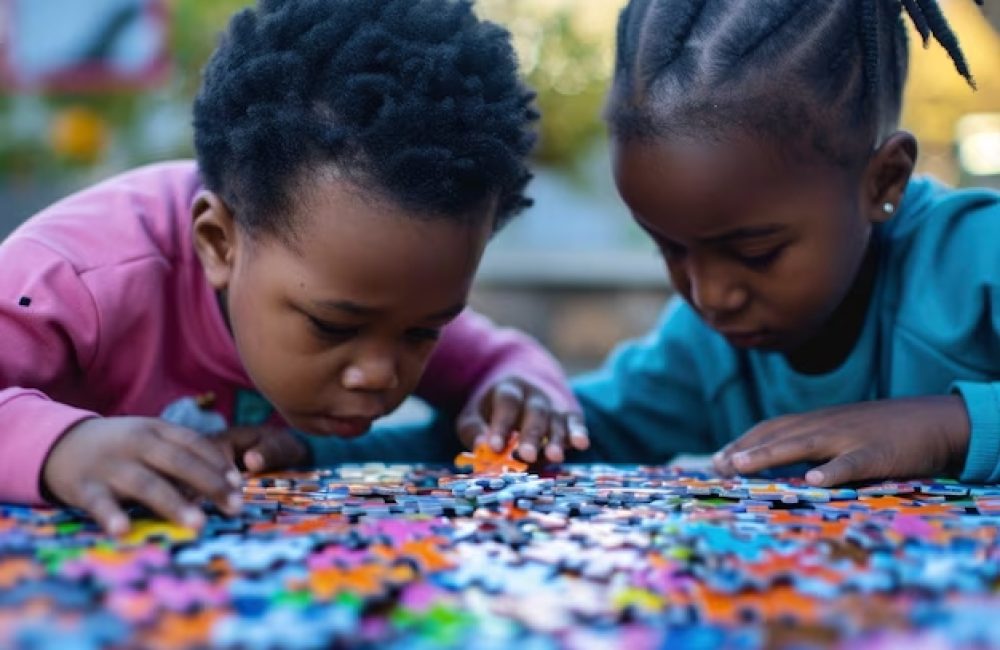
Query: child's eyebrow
[744, 233]
[352, 308]
[357, 309]
[447, 314]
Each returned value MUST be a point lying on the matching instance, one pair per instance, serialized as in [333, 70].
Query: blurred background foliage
[565, 48]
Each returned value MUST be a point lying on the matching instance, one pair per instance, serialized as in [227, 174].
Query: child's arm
[48, 329]
[647, 403]
[500, 380]
[49, 335]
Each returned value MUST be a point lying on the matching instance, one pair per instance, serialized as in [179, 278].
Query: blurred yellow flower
[78, 134]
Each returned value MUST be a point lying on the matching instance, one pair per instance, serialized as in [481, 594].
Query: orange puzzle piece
[483, 460]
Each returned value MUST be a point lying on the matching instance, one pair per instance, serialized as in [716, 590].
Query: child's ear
[215, 238]
[888, 172]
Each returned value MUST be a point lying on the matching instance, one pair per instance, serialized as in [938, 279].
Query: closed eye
[331, 332]
[761, 260]
[422, 334]
[672, 251]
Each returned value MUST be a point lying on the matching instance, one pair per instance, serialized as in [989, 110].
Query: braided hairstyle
[417, 100]
[817, 76]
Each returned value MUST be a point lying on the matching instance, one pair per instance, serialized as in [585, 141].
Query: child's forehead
[700, 189]
[339, 236]
[329, 190]
[774, 116]
[722, 167]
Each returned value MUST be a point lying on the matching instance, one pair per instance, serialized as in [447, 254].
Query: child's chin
[762, 342]
[759, 341]
[342, 436]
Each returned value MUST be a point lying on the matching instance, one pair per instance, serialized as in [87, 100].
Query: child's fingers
[275, 449]
[237, 442]
[579, 436]
[508, 397]
[472, 429]
[721, 463]
[203, 447]
[854, 465]
[558, 434]
[723, 459]
[133, 481]
[189, 469]
[535, 422]
[778, 452]
[97, 499]
[755, 437]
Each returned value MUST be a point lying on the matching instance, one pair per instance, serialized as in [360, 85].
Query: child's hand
[517, 405]
[99, 463]
[894, 438]
[262, 449]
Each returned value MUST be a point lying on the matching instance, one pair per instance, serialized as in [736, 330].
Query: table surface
[575, 557]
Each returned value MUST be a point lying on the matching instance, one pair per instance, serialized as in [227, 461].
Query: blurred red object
[74, 46]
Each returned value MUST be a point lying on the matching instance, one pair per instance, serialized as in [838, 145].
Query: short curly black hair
[826, 76]
[417, 100]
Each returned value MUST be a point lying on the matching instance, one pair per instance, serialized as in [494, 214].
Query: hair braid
[870, 31]
[672, 33]
[942, 32]
[919, 20]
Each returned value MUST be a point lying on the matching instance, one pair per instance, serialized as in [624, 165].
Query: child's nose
[372, 373]
[715, 293]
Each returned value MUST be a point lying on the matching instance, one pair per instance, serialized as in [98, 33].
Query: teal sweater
[933, 326]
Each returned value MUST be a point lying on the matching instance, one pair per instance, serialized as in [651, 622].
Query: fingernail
[192, 518]
[234, 502]
[254, 461]
[234, 479]
[497, 443]
[555, 454]
[354, 376]
[118, 525]
[717, 457]
[814, 476]
[528, 452]
[741, 458]
[580, 440]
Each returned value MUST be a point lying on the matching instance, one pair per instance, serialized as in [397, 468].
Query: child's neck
[831, 347]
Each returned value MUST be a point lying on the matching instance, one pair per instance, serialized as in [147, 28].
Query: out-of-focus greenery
[566, 51]
[565, 46]
[195, 28]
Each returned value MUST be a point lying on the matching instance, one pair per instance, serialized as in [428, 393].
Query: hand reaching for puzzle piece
[516, 405]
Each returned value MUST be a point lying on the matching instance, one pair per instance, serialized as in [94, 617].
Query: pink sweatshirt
[105, 310]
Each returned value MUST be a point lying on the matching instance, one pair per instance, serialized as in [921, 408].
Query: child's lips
[746, 338]
[342, 426]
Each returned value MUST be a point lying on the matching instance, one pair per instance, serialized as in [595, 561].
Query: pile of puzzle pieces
[573, 557]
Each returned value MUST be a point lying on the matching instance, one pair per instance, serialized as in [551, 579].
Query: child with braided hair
[835, 309]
